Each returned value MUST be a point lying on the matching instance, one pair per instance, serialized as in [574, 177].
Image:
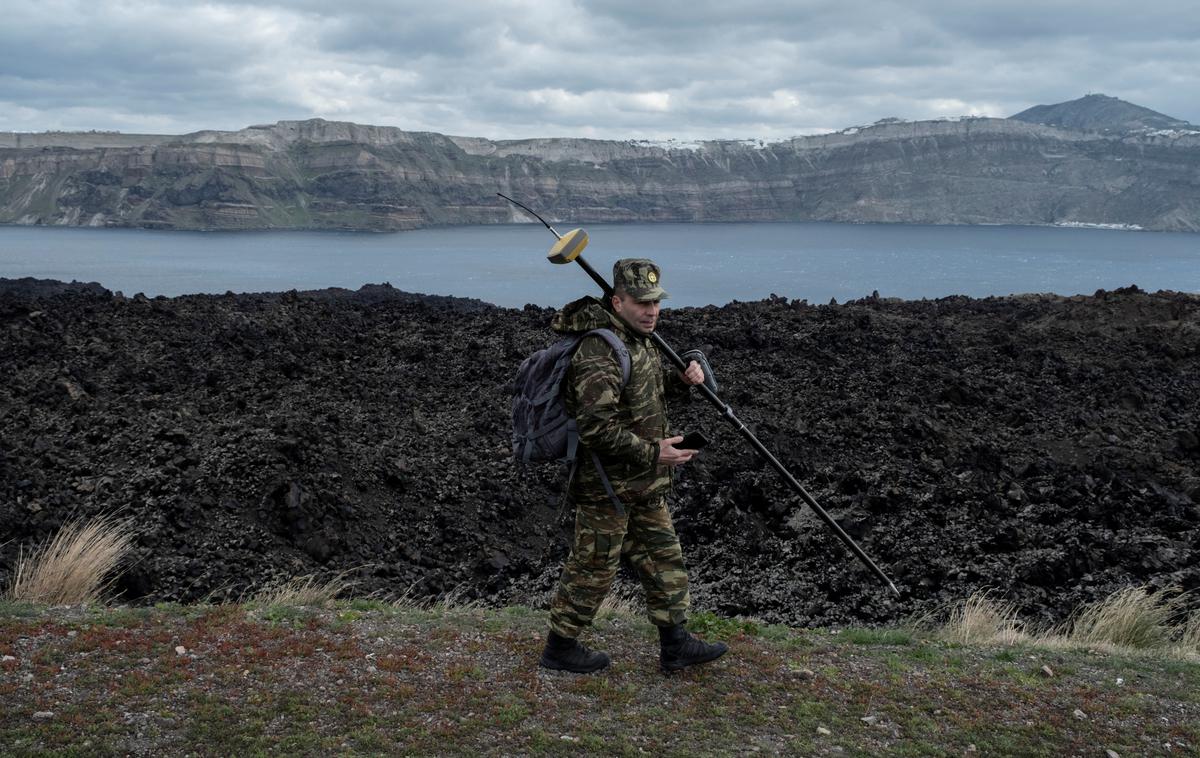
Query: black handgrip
[710, 379]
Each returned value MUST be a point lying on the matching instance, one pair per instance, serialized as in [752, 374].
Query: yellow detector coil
[568, 247]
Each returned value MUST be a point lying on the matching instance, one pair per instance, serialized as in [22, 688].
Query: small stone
[73, 390]
[972, 749]
[43, 715]
[180, 650]
[1120, 681]
[568, 738]
[1047, 672]
[1111, 754]
[1079, 714]
[869, 719]
[823, 731]
[7, 658]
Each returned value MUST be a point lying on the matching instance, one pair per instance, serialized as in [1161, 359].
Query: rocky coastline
[1046, 447]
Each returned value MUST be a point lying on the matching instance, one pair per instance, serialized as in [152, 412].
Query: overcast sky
[614, 69]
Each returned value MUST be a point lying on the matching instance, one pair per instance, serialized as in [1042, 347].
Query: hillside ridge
[318, 174]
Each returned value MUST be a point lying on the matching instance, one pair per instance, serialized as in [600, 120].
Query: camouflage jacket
[623, 427]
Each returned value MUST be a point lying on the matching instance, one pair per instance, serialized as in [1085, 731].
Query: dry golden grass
[456, 599]
[983, 620]
[304, 590]
[1189, 637]
[1132, 617]
[76, 565]
[1130, 620]
[406, 600]
[624, 599]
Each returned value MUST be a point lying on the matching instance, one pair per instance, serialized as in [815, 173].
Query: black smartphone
[692, 441]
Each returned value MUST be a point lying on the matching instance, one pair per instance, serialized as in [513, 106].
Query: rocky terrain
[1085, 162]
[1044, 446]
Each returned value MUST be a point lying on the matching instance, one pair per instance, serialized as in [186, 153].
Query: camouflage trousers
[645, 537]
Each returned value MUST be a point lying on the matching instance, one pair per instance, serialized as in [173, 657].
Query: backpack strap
[626, 364]
[619, 348]
[572, 438]
[616, 501]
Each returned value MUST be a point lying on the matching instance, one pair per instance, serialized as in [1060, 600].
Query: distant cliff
[327, 175]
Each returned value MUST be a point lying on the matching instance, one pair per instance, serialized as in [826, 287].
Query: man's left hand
[693, 374]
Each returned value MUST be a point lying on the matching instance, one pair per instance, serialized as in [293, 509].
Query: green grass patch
[287, 615]
[923, 653]
[365, 604]
[512, 711]
[17, 609]
[877, 636]
[717, 627]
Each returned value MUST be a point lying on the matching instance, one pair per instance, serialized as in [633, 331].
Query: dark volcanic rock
[1044, 446]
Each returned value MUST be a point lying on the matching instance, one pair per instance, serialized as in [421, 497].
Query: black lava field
[1042, 446]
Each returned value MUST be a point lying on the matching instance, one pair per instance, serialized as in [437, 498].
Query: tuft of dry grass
[1189, 636]
[1133, 617]
[405, 601]
[304, 590]
[457, 600]
[982, 620]
[76, 565]
[624, 599]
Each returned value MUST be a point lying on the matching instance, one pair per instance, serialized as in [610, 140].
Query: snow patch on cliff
[1087, 225]
[675, 144]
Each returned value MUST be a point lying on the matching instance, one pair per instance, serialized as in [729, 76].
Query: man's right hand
[669, 455]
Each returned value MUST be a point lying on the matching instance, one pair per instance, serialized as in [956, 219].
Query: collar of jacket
[588, 313]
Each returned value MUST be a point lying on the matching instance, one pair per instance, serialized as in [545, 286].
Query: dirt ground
[1043, 446]
[367, 678]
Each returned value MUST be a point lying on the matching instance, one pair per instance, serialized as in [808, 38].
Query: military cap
[639, 277]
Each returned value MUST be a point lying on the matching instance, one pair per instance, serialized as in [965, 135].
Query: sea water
[702, 263]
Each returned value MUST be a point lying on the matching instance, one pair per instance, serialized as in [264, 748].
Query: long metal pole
[758, 446]
[728, 414]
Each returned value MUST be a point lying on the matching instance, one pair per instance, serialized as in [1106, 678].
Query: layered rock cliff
[325, 175]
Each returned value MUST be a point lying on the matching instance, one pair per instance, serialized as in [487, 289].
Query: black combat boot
[680, 649]
[566, 654]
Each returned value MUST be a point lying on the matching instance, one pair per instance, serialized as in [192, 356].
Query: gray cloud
[609, 69]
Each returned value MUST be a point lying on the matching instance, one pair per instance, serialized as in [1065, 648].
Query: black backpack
[542, 428]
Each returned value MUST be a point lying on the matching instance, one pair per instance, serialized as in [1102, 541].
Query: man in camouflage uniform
[627, 430]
